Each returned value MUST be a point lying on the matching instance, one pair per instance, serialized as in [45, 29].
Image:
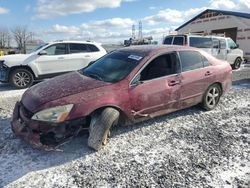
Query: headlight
[55, 114]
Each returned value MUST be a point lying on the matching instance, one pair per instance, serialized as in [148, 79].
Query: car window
[114, 66]
[178, 40]
[56, 49]
[200, 42]
[190, 60]
[205, 61]
[92, 48]
[77, 48]
[223, 44]
[161, 66]
[216, 43]
[231, 44]
[168, 40]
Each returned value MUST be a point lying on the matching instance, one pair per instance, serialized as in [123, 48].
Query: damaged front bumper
[43, 135]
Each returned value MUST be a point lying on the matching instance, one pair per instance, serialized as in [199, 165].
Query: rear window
[190, 60]
[200, 42]
[168, 40]
[178, 41]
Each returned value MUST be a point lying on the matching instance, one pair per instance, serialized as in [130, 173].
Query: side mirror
[136, 81]
[43, 52]
[237, 45]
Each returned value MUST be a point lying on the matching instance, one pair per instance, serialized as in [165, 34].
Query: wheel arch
[21, 67]
[220, 85]
[123, 118]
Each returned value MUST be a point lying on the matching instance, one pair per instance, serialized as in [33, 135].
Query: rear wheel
[100, 127]
[211, 97]
[21, 78]
[237, 63]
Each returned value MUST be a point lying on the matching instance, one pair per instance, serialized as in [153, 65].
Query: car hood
[59, 87]
[15, 58]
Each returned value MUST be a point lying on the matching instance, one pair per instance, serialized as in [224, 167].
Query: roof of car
[73, 41]
[150, 48]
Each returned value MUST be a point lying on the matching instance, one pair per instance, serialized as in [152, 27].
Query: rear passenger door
[197, 74]
[81, 54]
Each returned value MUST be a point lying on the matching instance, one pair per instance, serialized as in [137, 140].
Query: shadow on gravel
[5, 87]
[243, 82]
[164, 118]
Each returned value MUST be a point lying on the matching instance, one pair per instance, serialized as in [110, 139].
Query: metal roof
[224, 12]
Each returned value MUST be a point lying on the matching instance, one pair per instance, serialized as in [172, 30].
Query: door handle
[87, 56]
[208, 73]
[174, 82]
[60, 58]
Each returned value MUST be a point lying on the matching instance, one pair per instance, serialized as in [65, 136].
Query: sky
[105, 21]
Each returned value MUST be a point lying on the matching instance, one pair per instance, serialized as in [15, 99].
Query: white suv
[223, 48]
[48, 60]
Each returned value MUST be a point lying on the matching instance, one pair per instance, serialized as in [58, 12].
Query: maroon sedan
[123, 87]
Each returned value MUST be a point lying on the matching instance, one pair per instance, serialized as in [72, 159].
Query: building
[232, 24]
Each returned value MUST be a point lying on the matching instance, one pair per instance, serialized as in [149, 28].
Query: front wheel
[211, 97]
[21, 78]
[100, 125]
[237, 63]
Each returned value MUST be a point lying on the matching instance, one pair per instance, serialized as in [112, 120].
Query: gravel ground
[189, 148]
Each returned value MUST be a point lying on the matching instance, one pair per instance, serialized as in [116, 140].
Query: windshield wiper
[96, 76]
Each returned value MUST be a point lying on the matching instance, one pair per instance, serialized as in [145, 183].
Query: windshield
[113, 67]
[39, 47]
[231, 44]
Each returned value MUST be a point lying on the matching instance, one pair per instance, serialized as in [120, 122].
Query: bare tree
[21, 36]
[4, 37]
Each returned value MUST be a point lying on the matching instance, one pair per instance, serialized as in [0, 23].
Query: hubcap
[212, 97]
[21, 79]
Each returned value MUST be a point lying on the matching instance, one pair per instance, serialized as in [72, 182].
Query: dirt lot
[189, 148]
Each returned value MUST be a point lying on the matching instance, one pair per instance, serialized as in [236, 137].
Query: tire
[100, 126]
[237, 63]
[21, 78]
[211, 97]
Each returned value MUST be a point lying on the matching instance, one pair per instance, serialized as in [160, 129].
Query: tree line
[19, 34]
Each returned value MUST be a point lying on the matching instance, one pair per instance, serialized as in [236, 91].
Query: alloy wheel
[212, 97]
[21, 79]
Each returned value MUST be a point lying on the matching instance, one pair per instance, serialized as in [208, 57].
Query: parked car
[48, 60]
[223, 48]
[124, 86]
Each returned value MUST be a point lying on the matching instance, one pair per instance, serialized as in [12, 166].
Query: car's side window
[168, 40]
[223, 44]
[92, 48]
[215, 43]
[56, 49]
[178, 41]
[77, 48]
[205, 61]
[190, 60]
[161, 66]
